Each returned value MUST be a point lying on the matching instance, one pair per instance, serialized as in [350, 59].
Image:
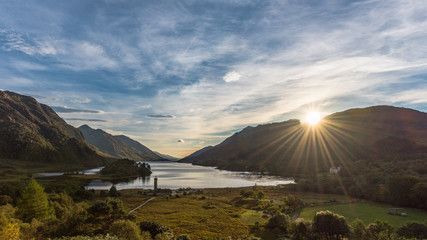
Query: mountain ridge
[293, 148]
[118, 146]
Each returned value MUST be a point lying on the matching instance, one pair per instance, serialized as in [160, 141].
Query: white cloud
[82, 100]
[232, 77]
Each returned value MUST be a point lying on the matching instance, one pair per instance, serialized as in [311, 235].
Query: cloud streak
[60, 109]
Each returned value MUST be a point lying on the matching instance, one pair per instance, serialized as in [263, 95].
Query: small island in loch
[125, 168]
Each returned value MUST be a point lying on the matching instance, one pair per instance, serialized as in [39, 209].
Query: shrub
[125, 229]
[183, 237]
[154, 228]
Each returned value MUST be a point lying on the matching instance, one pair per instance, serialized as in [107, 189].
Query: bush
[183, 237]
[154, 228]
[125, 229]
[5, 199]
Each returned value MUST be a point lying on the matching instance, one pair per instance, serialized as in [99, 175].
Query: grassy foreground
[199, 216]
[215, 214]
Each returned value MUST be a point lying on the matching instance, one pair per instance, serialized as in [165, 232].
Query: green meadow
[368, 212]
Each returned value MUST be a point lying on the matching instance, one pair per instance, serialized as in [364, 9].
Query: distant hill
[118, 146]
[33, 132]
[291, 148]
[189, 158]
[167, 157]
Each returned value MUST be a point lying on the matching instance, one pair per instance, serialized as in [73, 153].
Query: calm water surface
[174, 175]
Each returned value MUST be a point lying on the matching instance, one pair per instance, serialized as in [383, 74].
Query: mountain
[118, 146]
[167, 157]
[33, 132]
[291, 148]
[189, 158]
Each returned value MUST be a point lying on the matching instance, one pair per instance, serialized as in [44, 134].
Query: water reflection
[174, 175]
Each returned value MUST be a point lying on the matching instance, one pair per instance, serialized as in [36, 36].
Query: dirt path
[141, 205]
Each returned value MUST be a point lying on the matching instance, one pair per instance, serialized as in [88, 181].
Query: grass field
[367, 212]
[200, 218]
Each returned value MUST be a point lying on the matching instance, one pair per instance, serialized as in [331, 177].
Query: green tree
[357, 229]
[378, 230]
[291, 203]
[330, 225]
[279, 222]
[34, 203]
[413, 230]
[113, 192]
[260, 195]
[399, 189]
[300, 230]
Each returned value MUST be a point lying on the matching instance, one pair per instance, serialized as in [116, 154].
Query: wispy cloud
[60, 109]
[85, 119]
[160, 116]
[213, 67]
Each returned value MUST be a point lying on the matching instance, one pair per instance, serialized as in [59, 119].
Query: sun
[313, 118]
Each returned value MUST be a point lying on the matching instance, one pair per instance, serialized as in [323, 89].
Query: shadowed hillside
[118, 146]
[33, 132]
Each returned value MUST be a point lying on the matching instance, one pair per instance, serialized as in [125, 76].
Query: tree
[125, 229]
[113, 191]
[291, 203]
[34, 203]
[330, 225]
[300, 230]
[280, 222]
[357, 229]
[379, 230]
[413, 230]
[260, 195]
[399, 189]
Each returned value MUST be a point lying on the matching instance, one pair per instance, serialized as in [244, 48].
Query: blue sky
[181, 75]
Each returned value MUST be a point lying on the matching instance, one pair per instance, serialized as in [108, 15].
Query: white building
[334, 170]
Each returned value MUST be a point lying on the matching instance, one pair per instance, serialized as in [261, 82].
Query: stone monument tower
[155, 185]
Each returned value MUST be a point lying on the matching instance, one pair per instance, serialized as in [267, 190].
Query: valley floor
[214, 213]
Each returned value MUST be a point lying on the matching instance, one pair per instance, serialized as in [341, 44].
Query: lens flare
[313, 118]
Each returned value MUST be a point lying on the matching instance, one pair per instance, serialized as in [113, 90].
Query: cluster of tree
[38, 215]
[330, 226]
[126, 168]
[397, 188]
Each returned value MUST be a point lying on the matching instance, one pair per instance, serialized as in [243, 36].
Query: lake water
[175, 175]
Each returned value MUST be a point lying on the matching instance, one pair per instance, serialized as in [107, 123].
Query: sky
[181, 75]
